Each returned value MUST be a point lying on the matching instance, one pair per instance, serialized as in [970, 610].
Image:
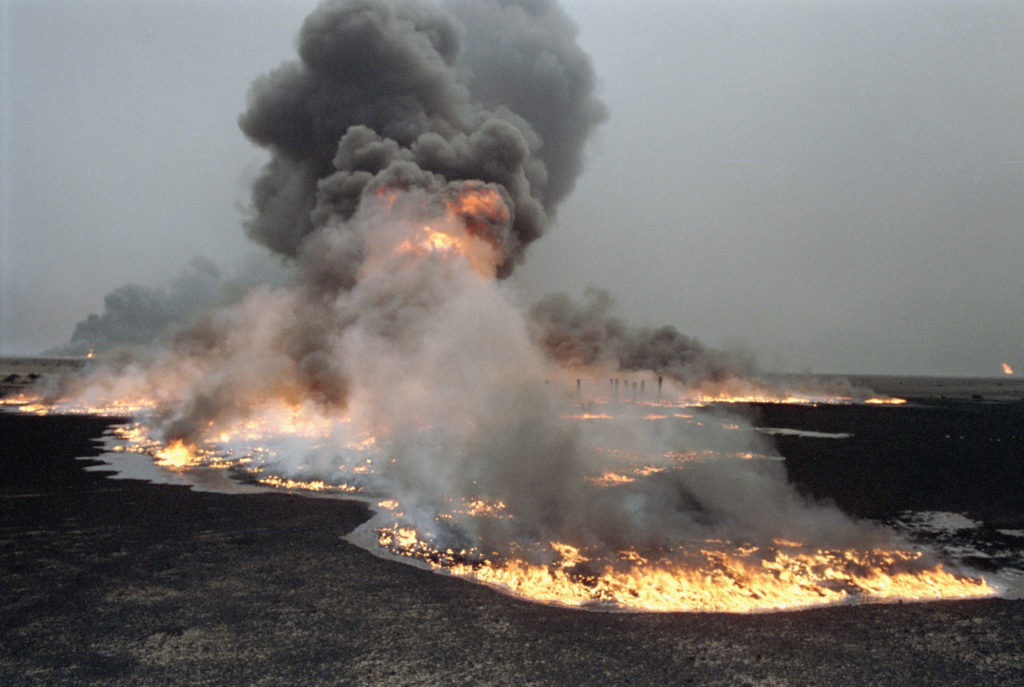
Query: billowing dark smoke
[139, 315]
[587, 334]
[380, 102]
[415, 95]
[392, 103]
[523, 56]
[388, 96]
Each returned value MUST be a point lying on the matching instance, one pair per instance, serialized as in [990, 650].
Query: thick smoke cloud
[139, 315]
[587, 334]
[392, 99]
[524, 56]
[389, 91]
[387, 96]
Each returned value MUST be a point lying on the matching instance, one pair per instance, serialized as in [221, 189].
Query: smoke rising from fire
[416, 152]
[397, 118]
[389, 90]
[587, 334]
[388, 96]
[138, 316]
[135, 314]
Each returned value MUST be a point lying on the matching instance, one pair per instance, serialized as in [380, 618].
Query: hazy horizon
[835, 188]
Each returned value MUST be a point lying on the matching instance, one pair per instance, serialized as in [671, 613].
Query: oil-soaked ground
[125, 582]
[959, 455]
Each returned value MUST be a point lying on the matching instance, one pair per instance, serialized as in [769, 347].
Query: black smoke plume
[141, 315]
[587, 334]
[393, 97]
[390, 95]
[416, 95]
[386, 97]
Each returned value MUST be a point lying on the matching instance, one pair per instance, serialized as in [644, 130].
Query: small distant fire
[1007, 370]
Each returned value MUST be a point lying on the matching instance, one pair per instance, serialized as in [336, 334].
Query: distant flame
[1007, 370]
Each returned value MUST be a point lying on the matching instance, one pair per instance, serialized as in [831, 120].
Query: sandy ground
[125, 582]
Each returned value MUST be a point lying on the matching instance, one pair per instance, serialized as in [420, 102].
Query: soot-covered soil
[932, 454]
[123, 582]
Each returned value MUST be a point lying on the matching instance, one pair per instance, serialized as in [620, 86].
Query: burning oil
[416, 151]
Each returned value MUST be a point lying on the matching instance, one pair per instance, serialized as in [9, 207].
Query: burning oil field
[643, 504]
[551, 451]
[394, 364]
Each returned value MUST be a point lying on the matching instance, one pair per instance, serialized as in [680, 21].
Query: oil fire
[175, 455]
[481, 469]
[1007, 370]
[467, 227]
[710, 575]
[740, 579]
[393, 366]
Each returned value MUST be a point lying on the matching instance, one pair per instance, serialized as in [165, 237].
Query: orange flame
[471, 227]
[480, 207]
[176, 455]
[434, 241]
[739, 580]
[1007, 370]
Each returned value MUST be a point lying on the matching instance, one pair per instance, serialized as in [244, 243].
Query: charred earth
[118, 581]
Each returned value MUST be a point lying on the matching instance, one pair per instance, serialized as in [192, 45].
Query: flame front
[1007, 370]
[735, 580]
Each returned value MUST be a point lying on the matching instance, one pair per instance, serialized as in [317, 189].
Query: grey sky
[831, 186]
